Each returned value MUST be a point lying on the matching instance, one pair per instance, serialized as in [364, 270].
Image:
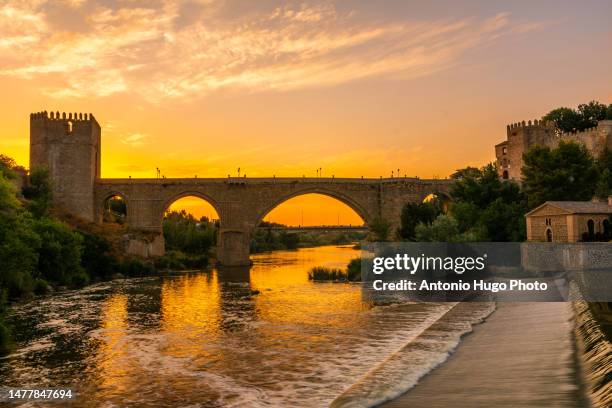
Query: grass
[351, 274]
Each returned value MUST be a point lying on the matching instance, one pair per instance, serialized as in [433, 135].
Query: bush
[353, 270]
[184, 233]
[79, 279]
[321, 273]
[5, 338]
[96, 258]
[40, 286]
[135, 267]
[59, 256]
[39, 192]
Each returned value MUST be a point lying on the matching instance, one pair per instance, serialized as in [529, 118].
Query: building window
[548, 222]
[504, 150]
[505, 175]
[549, 236]
[591, 229]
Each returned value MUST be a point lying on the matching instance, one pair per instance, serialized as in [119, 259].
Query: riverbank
[523, 355]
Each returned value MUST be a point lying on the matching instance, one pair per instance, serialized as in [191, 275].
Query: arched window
[505, 175]
[591, 228]
[549, 235]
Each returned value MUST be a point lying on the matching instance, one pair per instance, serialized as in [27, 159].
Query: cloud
[161, 51]
[134, 140]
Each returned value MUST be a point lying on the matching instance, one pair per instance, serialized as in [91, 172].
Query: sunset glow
[202, 88]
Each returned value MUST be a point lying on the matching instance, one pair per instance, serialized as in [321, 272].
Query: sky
[357, 88]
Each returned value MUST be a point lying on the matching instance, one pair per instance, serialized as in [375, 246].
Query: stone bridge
[243, 202]
[68, 145]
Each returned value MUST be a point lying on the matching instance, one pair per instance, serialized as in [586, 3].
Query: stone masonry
[521, 136]
[69, 146]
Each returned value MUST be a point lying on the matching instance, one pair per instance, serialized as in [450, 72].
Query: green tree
[604, 185]
[415, 213]
[444, 229]
[503, 221]
[7, 164]
[380, 229]
[290, 241]
[59, 256]
[483, 186]
[485, 207]
[18, 244]
[593, 112]
[571, 120]
[567, 173]
[96, 257]
[565, 119]
[39, 192]
[183, 232]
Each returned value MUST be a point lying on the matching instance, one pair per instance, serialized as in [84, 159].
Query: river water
[253, 338]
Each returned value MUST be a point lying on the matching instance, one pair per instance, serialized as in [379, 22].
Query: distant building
[570, 221]
[521, 136]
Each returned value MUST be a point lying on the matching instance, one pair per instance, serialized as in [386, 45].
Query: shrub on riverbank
[352, 273]
[353, 270]
[322, 273]
[177, 260]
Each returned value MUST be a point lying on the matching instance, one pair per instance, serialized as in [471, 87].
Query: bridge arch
[442, 197]
[104, 200]
[345, 199]
[191, 193]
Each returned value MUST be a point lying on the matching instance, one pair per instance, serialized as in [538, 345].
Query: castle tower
[68, 144]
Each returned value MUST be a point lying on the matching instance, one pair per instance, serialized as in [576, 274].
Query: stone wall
[521, 136]
[243, 203]
[68, 145]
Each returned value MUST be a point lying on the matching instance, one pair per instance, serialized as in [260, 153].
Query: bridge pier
[233, 247]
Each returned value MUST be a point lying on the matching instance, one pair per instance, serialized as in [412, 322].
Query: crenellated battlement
[536, 123]
[522, 135]
[63, 116]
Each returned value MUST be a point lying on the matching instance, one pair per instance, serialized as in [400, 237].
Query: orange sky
[283, 88]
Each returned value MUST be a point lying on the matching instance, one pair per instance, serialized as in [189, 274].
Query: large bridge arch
[353, 204]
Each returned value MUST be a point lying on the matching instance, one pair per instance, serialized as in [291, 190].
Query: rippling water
[264, 337]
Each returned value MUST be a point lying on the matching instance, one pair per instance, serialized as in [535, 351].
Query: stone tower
[69, 146]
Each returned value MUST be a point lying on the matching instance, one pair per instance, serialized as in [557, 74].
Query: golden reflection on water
[189, 311]
[113, 350]
[282, 272]
[217, 327]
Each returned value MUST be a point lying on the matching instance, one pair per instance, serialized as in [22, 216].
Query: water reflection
[259, 337]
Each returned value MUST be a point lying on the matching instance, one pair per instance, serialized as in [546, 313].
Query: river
[255, 338]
